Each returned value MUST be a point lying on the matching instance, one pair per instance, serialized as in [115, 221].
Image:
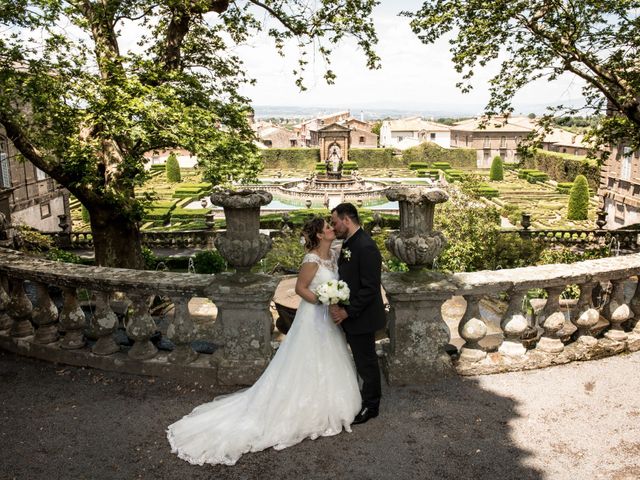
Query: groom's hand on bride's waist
[338, 313]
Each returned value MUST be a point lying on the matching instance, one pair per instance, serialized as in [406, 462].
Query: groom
[360, 265]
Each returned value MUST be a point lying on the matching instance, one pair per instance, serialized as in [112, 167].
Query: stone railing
[622, 238]
[167, 239]
[41, 315]
[600, 323]
[50, 324]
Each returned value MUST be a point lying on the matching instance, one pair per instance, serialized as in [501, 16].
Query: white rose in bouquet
[332, 292]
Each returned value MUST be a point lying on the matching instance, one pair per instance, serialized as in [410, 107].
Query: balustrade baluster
[103, 323]
[72, 320]
[19, 309]
[472, 329]
[587, 316]
[5, 319]
[45, 316]
[617, 312]
[181, 332]
[552, 321]
[513, 325]
[140, 328]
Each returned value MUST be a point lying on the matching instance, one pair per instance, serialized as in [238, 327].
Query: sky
[413, 76]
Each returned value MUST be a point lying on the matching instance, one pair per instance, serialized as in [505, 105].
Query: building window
[503, 142]
[5, 176]
[487, 142]
[455, 139]
[625, 171]
[267, 143]
[400, 138]
[466, 140]
[361, 140]
[45, 210]
[432, 136]
[486, 156]
[293, 143]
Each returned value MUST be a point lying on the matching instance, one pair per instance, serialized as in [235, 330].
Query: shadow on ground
[74, 423]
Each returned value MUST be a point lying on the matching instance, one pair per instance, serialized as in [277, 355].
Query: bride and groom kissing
[310, 388]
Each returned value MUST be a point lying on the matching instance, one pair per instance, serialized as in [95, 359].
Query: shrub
[441, 165]
[432, 173]
[350, 166]
[487, 191]
[496, 173]
[564, 168]
[453, 175]
[209, 261]
[537, 176]
[579, 199]
[85, 215]
[149, 258]
[564, 187]
[372, 157]
[464, 158]
[173, 168]
[59, 255]
[418, 165]
[286, 158]
[320, 167]
[524, 172]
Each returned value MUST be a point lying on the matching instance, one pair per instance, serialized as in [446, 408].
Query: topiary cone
[579, 199]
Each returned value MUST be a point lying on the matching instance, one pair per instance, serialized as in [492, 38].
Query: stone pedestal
[416, 353]
[246, 324]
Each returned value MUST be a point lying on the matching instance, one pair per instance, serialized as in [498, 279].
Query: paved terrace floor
[577, 421]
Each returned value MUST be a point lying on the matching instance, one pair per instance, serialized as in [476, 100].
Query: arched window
[5, 175]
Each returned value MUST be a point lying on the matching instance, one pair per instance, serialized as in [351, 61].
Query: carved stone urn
[242, 246]
[416, 244]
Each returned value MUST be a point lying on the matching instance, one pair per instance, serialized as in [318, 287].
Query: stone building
[158, 157]
[307, 132]
[274, 136]
[497, 137]
[35, 199]
[619, 187]
[409, 132]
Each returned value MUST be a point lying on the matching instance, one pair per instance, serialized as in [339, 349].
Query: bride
[309, 389]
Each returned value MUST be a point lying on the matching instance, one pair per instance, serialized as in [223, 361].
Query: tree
[172, 168]
[83, 102]
[597, 40]
[578, 199]
[375, 128]
[496, 173]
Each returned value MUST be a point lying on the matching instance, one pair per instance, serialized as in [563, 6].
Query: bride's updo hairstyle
[310, 231]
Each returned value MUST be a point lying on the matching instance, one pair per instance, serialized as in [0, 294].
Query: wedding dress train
[309, 389]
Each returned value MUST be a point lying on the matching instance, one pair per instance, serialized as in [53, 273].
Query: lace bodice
[328, 268]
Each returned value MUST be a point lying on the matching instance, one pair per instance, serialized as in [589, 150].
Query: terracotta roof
[415, 124]
[496, 124]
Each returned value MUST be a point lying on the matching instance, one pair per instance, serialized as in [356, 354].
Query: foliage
[84, 108]
[209, 261]
[373, 157]
[150, 259]
[284, 158]
[496, 173]
[596, 40]
[563, 167]
[579, 199]
[32, 241]
[85, 214]
[59, 255]
[285, 255]
[564, 254]
[513, 251]
[513, 212]
[429, 152]
[173, 168]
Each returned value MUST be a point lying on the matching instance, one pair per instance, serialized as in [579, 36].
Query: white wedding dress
[309, 389]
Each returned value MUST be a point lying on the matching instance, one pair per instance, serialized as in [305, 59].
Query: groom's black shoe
[365, 414]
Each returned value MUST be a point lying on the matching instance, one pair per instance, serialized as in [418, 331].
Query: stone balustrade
[622, 238]
[517, 335]
[499, 329]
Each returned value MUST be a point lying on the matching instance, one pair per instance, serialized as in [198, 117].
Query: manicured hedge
[373, 157]
[535, 177]
[453, 175]
[418, 165]
[189, 213]
[578, 208]
[432, 173]
[173, 168]
[429, 152]
[496, 173]
[487, 191]
[302, 158]
[564, 187]
[564, 167]
[441, 165]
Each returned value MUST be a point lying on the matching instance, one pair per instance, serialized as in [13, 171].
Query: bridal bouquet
[332, 292]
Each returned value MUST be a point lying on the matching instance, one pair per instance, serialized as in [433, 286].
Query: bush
[149, 258]
[579, 199]
[287, 158]
[487, 191]
[350, 166]
[63, 256]
[496, 173]
[432, 173]
[373, 157]
[85, 215]
[464, 158]
[453, 175]
[441, 165]
[173, 168]
[564, 168]
[564, 187]
[209, 261]
[418, 165]
[536, 176]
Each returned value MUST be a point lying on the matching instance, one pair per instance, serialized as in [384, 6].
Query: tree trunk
[117, 241]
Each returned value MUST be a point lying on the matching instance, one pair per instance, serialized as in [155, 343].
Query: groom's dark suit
[360, 265]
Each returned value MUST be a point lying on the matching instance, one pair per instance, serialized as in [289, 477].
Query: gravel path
[568, 422]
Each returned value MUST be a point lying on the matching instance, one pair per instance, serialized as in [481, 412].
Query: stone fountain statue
[418, 333]
[334, 161]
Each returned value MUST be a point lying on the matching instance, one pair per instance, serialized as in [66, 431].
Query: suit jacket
[361, 270]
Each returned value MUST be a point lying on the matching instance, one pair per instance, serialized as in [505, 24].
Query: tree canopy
[597, 40]
[87, 87]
